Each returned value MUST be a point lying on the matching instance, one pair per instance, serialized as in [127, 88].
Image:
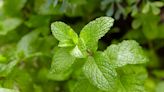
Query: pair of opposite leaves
[100, 67]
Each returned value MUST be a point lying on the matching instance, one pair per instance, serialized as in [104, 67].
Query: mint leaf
[5, 69]
[46, 7]
[155, 10]
[59, 76]
[158, 3]
[31, 45]
[64, 33]
[37, 21]
[136, 24]
[132, 78]
[7, 90]
[76, 52]
[83, 85]
[22, 78]
[126, 52]
[100, 73]
[94, 30]
[103, 70]
[62, 63]
[146, 8]
[9, 24]
[3, 59]
[25, 46]
[160, 86]
[17, 4]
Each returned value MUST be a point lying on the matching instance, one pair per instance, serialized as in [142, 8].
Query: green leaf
[37, 21]
[110, 10]
[3, 59]
[126, 52]
[150, 85]
[59, 76]
[13, 7]
[154, 61]
[22, 78]
[158, 3]
[64, 33]
[83, 85]
[26, 46]
[7, 90]
[149, 26]
[135, 35]
[62, 63]
[9, 24]
[1, 4]
[5, 69]
[161, 31]
[134, 11]
[132, 78]
[76, 52]
[160, 86]
[94, 30]
[155, 10]
[100, 73]
[158, 73]
[136, 24]
[46, 7]
[146, 8]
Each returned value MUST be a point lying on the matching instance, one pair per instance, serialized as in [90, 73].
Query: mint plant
[81, 62]
[119, 68]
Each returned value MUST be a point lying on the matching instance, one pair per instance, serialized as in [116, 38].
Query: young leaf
[100, 73]
[94, 30]
[146, 8]
[76, 52]
[62, 63]
[64, 33]
[126, 52]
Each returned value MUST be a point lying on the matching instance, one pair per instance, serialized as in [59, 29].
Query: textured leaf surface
[64, 33]
[59, 76]
[131, 78]
[76, 52]
[126, 52]
[84, 85]
[94, 30]
[62, 63]
[100, 73]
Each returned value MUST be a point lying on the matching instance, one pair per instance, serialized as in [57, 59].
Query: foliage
[39, 52]
[102, 69]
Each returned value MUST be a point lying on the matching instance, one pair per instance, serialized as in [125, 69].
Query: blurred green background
[27, 45]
